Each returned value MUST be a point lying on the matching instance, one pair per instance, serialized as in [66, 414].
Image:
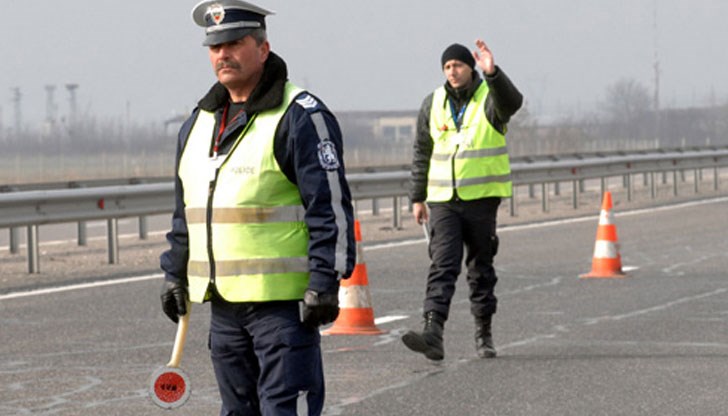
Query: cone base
[604, 275]
[354, 321]
[353, 330]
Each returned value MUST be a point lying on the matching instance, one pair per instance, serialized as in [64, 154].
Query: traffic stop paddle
[169, 386]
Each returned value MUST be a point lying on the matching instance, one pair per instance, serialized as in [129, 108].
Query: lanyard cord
[457, 117]
[221, 130]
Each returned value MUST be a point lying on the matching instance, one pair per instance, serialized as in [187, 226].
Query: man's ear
[264, 51]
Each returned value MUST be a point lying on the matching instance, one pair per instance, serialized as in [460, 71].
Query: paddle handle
[179, 339]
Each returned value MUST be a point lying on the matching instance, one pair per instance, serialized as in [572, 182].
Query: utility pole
[656, 67]
[72, 105]
[50, 105]
[17, 98]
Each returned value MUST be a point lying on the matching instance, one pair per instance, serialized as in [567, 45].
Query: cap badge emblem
[217, 13]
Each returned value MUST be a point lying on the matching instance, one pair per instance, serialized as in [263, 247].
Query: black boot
[429, 341]
[483, 337]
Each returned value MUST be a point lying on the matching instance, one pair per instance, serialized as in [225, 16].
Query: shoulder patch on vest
[307, 102]
[327, 155]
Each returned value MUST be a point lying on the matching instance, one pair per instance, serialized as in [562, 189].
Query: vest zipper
[458, 121]
[208, 225]
[452, 169]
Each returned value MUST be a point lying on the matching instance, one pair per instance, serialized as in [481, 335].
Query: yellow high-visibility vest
[247, 236]
[473, 161]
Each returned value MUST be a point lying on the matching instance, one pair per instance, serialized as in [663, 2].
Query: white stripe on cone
[354, 297]
[605, 250]
[606, 217]
[359, 254]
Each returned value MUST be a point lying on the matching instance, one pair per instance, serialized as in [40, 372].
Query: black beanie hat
[459, 52]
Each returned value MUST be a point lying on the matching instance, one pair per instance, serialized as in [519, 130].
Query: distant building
[377, 126]
[377, 137]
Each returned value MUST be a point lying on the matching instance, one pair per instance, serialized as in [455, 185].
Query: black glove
[319, 308]
[174, 300]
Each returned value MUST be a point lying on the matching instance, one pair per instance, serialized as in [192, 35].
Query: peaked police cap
[228, 20]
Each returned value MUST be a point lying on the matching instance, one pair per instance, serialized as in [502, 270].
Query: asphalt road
[655, 342]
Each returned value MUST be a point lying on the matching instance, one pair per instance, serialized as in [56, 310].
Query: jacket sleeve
[421, 153]
[503, 100]
[174, 261]
[309, 149]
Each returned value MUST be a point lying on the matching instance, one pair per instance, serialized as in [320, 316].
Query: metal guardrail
[38, 207]
[89, 183]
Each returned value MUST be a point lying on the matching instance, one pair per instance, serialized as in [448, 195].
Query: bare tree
[627, 100]
[627, 106]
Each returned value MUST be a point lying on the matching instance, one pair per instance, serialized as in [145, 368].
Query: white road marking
[79, 286]
[388, 319]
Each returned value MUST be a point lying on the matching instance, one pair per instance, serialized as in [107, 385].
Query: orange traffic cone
[356, 316]
[607, 261]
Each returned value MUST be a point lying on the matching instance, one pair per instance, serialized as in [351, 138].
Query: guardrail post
[81, 235]
[557, 188]
[531, 191]
[82, 239]
[674, 183]
[602, 186]
[143, 233]
[397, 213]
[514, 206]
[14, 240]
[545, 197]
[696, 183]
[628, 183]
[33, 261]
[715, 178]
[113, 240]
[653, 186]
[143, 228]
[14, 243]
[375, 206]
[575, 194]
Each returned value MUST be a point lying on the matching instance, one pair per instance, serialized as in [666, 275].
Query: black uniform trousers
[266, 361]
[454, 226]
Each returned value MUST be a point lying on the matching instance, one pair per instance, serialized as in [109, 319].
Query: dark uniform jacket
[296, 149]
[502, 102]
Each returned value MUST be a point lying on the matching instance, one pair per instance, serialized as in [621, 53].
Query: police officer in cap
[263, 224]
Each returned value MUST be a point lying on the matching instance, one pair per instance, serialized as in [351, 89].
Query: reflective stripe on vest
[247, 236]
[474, 160]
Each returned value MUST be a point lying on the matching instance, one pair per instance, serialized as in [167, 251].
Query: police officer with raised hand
[461, 170]
[263, 225]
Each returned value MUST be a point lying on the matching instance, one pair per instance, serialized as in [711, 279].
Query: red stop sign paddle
[169, 386]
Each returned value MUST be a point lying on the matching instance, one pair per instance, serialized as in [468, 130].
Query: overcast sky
[144, 59]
